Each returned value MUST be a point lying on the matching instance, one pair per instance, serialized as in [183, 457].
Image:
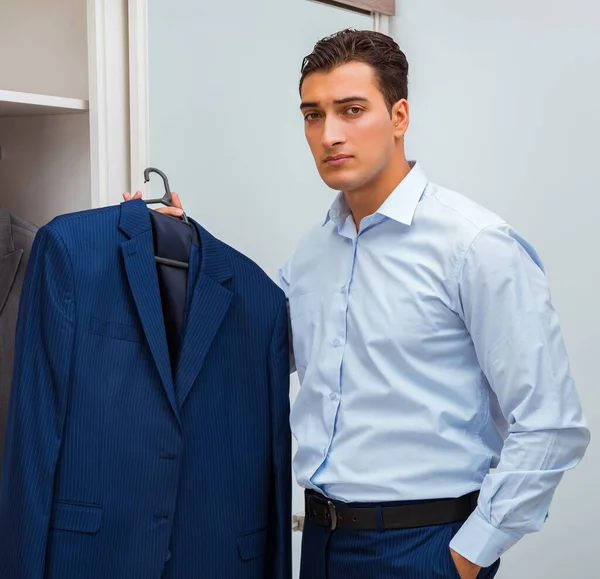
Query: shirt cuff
[480, 542]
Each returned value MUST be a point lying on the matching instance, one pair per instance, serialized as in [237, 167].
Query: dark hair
[379, 51]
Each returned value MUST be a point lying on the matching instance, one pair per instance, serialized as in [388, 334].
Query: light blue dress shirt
[431, 364]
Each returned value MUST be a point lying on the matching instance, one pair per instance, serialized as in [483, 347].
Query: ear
[400, 118]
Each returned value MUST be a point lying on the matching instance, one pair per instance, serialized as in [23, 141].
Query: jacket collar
[9, 257]
[135, 220]
[208, 303]
[6, 237]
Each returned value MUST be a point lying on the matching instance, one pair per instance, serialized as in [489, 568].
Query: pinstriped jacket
[112, 467]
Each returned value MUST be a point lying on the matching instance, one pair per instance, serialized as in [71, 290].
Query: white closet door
[224, 121]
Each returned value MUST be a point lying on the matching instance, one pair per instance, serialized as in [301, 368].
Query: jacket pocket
[78, 518]
[252, 545]
[114, 330]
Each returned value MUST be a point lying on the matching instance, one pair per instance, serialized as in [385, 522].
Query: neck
[368, 199]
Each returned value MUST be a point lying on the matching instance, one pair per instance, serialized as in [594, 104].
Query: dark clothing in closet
[16, 238]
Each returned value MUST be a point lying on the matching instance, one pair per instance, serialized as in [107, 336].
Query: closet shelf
[20, 104]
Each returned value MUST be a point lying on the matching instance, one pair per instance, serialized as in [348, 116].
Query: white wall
[505, 108]
[225, 124]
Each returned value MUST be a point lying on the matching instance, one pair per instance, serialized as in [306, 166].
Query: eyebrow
[314, 104]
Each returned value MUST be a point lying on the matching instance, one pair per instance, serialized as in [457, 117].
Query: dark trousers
[421, 553]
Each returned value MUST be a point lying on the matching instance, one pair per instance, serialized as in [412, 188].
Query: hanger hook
[167, 200]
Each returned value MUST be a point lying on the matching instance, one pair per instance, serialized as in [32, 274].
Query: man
[436, 414]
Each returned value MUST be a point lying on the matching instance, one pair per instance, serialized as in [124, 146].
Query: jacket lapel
[138, 256]
[209, 303]
[9, 258]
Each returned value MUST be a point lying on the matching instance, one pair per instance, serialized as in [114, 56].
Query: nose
[332, 133]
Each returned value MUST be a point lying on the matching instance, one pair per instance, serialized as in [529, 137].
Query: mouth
[336, 160]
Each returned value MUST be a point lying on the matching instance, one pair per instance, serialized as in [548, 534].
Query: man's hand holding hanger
[175, 211]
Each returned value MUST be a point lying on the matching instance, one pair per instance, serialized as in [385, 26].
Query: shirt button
[343, 289]
[333, 396]
[336, 343]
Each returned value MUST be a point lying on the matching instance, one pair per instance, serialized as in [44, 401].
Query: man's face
[348, 125]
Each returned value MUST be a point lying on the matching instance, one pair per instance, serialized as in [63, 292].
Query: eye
[311, 116]
[353, 111]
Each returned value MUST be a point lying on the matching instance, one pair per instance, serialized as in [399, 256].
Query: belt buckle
[332, 515]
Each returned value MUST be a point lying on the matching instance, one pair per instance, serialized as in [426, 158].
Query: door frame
[109, 97]
[139, 110]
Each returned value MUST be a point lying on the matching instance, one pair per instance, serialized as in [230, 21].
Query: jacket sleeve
[280, 544]
[43, 346]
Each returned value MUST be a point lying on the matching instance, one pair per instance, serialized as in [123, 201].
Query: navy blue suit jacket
[113, 469]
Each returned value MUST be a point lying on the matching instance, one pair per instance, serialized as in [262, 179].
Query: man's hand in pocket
[465, 568]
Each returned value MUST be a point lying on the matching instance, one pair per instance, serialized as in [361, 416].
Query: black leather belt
[325, 513]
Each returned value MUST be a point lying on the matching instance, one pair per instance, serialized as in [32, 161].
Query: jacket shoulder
[83, 218]
[247, 268]
[23, 227]
[72, 227]
[23, 233]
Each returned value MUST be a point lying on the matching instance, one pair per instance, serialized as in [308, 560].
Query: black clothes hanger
[167, 200]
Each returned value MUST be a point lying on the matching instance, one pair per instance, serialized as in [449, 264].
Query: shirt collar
[339, 210]
[399, 206]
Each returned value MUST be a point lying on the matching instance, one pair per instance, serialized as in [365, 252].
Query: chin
[345, 185]
[341, 182]
[335, 184]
